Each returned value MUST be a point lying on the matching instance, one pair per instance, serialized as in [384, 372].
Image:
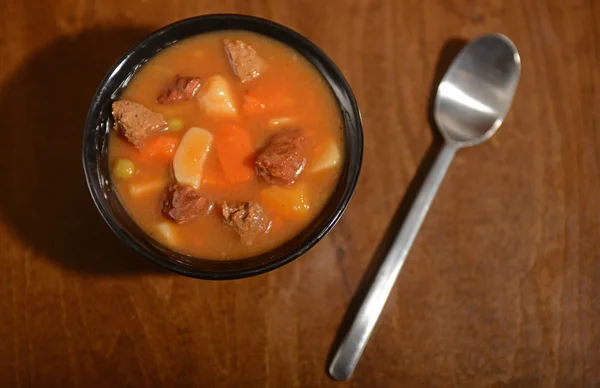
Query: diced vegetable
[168, 233]
[189, 159]
[140, 189]
[252, 105]
[216, 98]
[279, 121]
[234, 149]
[328, 158]
[159, 147]
[175, 124]
[265, 100]
[288, 202]
[276, 224]
[123, 168]
[215, 179]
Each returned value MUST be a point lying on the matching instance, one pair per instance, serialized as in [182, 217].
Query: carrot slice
[265, 100]
[252, 105]
[159, 147]
[234, 149]
[215, 179]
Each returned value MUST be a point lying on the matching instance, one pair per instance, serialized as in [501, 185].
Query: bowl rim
[103, 92]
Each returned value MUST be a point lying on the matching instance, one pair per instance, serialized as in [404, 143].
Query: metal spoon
[471, 102]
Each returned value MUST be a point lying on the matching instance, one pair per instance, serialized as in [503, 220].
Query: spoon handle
[355, 339]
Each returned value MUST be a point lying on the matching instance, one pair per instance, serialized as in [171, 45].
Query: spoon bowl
[476, 92]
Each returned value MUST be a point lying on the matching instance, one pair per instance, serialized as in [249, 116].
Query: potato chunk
[167, 233]
[289, 202]
[188, 163]
[216, 98]
[330, 157]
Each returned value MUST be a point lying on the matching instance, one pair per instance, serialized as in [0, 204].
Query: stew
[225, 145]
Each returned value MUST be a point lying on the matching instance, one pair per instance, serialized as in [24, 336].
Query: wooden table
[502, 287]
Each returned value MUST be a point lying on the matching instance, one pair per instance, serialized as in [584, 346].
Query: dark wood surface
[502, 287]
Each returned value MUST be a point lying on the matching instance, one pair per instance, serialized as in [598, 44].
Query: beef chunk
[182, 204]
[136, 122]
[244, 60]
[283, 159]
[183, 88]
[247, 219]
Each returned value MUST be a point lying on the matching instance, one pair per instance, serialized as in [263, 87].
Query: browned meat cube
[283, 159]
[247, 219]
[182, 204]
[244, 60]
[136, 122]
[183, 88]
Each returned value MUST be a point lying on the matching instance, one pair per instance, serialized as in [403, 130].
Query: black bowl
[95, 150]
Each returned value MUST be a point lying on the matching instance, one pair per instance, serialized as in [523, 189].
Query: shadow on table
[44, 196]
[449, 51]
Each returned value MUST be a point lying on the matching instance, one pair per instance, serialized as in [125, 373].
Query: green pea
[123, 168]
[175, 124]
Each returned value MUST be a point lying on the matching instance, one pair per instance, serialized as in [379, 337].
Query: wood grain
[502, 287]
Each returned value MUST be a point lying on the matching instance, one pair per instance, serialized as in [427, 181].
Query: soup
[225, 145]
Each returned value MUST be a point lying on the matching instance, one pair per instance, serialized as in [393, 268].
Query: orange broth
[300, 94]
